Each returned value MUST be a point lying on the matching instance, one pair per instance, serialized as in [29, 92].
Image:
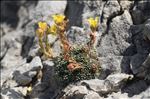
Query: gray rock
[92, 95]
[21, 79]
[111, 8]
[14, 93]
[23, 74]
[117, 40]
[48, 73]
[76, 92]
[4, 49]
[126, 5]
[45, 9]
[12, 45]
[48, 86]
[140, 11]
[118, 80]
[36, 63]
[40, 90]
[143, 70]
[136, 62]
[142, 46]
[118, 95]
[77, 35]
[110, 84]
[121, 95]
[84, 10]
[75, 8]
[99, 86]
[34, 50]
[114, 64]
[55, 42]
[135, 88]
[146, 29]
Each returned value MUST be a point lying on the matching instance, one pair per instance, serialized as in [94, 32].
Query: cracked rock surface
[122, 44]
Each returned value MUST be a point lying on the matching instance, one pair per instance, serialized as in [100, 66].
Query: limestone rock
[140, 11]
[23, 75]
[76, 92]
[110, 84]
[146, 29]
[99, 86]
[142, 71]
[118, 80]
[114, 64]
[92, 95]
[77, 35]
[117, 40]
[136, 62]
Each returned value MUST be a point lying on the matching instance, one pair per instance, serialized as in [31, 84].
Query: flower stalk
[93, 26]
[41, 32]
[61, 24]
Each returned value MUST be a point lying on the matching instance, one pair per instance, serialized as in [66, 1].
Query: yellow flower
[58, 18]
[29, 89]
[93, 22]
[39, 32]
[43, 26]
[52, 29]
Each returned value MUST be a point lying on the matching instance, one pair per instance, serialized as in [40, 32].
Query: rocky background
[123, 47]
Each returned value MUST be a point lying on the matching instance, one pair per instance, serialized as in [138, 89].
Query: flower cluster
[74, 63]
[41, 32]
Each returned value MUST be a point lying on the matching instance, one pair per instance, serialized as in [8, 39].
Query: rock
[84, 10]
[48, 86]
[114, 64]
[14, 93]
[142, 46]
[40, 90]
[135, 88]
[34, 50]
[126, 5]
[12, 47]
[49, 74]
[21, 79]
[136, 62]
[146, 29]
[120, 95]
[4, 28]
[12, 59]
[118, 80]
[92, 95]
[11, 9]
[110, 84]
[77, 35]
[140, 11]
[142, 71]
[23, 74]
[55, 42]
[140, 37]
[48, 68]
[76, 92]
[36, 63]
[74, 8]
[99, 86]
[117, 40]
[44, 10]
[111, 8]
[4, 49]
